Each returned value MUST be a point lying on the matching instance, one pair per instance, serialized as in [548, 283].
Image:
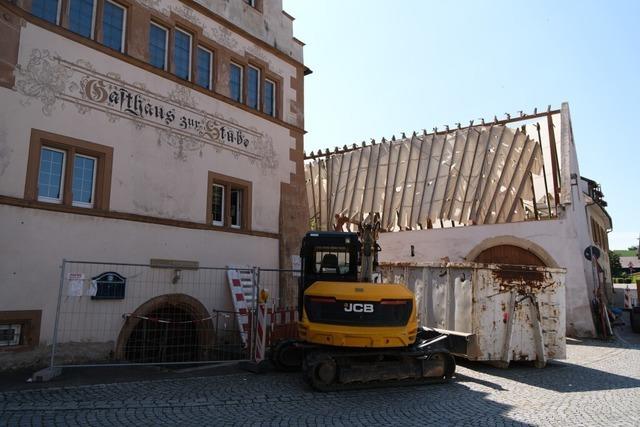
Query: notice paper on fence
[76, 284]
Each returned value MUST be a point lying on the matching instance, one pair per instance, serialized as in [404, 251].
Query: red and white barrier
[241, 285]
[261, 333]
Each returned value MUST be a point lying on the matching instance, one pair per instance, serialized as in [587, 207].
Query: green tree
[614, 262]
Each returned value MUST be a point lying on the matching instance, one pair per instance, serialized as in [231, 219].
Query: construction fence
[137, 314]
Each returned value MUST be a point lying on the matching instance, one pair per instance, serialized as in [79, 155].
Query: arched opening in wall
[169, 328]
[509, 254]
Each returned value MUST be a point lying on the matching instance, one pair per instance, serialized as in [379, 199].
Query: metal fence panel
[124, 314]
[136, 313]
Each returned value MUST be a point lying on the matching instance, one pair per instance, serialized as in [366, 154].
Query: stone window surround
[30, 321]
[229, 183]
[71, 146]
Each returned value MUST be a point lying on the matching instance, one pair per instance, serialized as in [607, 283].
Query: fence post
[55, 326]
[254, 318]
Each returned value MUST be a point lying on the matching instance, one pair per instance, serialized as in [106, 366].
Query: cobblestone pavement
[598, 384]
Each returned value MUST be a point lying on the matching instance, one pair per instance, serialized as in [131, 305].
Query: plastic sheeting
[477, 175]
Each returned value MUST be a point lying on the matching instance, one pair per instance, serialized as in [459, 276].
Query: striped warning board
[242, 294]
[261, 333]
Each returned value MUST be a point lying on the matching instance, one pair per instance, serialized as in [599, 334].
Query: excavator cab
[328, 256]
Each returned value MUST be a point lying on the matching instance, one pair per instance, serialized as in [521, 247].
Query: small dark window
[113, 25]
[235, 82]
[10, 335]
[269, 106]
[253, 91]
[205, 62]
[182, 54]
[46, 9]
[158, 46]
[81, 14]
[109, 285]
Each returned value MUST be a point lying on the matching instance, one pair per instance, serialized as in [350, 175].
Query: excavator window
[331, 260]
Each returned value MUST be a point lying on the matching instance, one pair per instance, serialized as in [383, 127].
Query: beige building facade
[133, 130]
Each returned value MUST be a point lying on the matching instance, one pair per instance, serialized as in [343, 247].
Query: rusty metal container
[508, 312]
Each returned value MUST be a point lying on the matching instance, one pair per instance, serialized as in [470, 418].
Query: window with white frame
[84, 180]
[68, 171]
[217, 204]
[251, 3]
[114, 17]
[229, 202]
[235, 82]
[235, 211]
[253, 87]
[47, 9]
[51, 175]
[158, 37]
[81, 17]
[204, 75]
[182, 54]
[269, 103]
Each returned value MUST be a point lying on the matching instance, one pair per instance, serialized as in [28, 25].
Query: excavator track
[335, 371]
[328, 368]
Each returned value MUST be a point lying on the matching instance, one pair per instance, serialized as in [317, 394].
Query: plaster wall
[35, 242]
[269, 24]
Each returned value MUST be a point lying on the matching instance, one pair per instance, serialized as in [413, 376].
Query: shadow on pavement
[17, 380]
[559, 376]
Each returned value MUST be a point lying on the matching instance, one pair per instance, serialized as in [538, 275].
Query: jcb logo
[358, 307]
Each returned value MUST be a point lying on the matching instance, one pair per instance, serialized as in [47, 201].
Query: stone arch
[203, 333]
[533, 248]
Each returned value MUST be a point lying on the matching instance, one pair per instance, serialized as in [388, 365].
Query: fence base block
[256, 368]
[44, 375]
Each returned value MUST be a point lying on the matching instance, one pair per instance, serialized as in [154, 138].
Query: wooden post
[555, 167]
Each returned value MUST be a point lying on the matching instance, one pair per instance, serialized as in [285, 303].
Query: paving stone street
[598, 384]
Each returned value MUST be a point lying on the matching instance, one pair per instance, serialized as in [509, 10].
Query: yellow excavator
[353, 332]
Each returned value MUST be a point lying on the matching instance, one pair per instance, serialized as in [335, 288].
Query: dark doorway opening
[169, 333]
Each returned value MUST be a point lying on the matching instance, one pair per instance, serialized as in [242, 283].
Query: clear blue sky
[384, 67]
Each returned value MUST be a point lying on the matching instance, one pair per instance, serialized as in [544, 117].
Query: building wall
[550, 240]
[57, 82]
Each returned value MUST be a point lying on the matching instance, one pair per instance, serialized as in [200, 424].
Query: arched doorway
[511, 250]
[168, 328]
[508, 254]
